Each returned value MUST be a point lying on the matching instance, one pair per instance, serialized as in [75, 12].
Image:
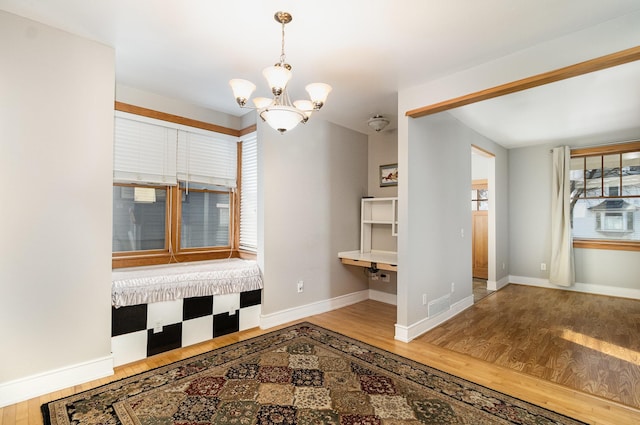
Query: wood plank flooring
[586, 342]
[494, 332]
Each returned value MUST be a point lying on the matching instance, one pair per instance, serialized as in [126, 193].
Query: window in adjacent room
[605, 196]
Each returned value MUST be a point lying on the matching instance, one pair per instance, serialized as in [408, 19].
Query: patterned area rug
[303, 374]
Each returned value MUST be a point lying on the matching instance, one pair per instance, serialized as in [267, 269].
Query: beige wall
[56, 116]
[311, 180]
[383, 149]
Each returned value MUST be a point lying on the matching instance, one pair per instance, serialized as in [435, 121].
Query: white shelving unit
[374, 211]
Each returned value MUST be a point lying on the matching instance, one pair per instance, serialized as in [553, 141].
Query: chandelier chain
[282, 55]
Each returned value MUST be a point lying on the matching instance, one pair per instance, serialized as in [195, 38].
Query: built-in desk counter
[375, 260]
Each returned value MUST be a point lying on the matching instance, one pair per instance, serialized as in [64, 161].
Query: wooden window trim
[479, 184]
[172, 238]
[159, 257]
[606, 244]
[178, 229]
[176, 119]
[606, 150]
[613, 149]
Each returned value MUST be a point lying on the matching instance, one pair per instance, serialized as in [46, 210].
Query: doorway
[482, 206]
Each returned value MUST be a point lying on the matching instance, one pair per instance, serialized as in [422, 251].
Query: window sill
[247, 255]
[137, 260]
[602, 244]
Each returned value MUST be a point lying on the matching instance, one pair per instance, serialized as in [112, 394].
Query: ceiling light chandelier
[280, 113]
[378, 122]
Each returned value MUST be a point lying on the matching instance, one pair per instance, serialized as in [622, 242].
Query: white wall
[530, 207]
[311, 182]
[479, 167]
[56, 116]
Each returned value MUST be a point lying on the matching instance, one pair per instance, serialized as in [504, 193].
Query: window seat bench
[160, 308]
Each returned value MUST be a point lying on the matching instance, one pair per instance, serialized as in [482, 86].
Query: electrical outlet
[157, 328]
[504, 266]
[543, 266]
[453, 287]
[462, 232]
[385, 277]
[424, 299]
[374, 276]
[300, 286]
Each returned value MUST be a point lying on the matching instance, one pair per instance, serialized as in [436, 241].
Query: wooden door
[480, 253]
[480, 229]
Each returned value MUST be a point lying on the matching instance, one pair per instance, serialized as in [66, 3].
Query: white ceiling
[366, 49]
[594, 108]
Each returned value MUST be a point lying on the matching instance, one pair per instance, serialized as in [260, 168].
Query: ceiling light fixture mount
[279, 112]
[378, 122]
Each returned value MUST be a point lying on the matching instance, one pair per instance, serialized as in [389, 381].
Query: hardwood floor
[490, 344]
[582, 341]
[480, 289]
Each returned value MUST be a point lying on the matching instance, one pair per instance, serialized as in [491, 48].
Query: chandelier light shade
[242, 90]
[279, 112]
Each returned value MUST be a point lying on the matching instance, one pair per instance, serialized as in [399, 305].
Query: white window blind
[208, 159]
[249, 194]
[144, 153]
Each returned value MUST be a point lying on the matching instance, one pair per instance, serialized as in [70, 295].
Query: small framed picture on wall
[389, 175]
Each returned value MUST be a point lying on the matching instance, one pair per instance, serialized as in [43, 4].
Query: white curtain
[561, 268]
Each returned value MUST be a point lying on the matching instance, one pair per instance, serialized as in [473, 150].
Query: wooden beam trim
[176, 119]
[592, 65]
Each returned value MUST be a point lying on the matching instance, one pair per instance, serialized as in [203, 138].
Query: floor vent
[440, 305]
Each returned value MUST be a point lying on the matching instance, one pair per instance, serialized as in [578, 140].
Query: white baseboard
[587, 288]
[22, 389]
[495, 286]
[278, 318]
[408, 333]
[383, 297]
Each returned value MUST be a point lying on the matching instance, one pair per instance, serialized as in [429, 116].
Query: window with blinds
[174, 190]
[249, 194]
[144, 153]
[207, 158]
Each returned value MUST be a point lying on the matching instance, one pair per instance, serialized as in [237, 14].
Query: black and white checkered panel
[140, 331]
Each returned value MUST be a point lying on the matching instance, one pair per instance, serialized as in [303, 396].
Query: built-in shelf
[373, 212]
